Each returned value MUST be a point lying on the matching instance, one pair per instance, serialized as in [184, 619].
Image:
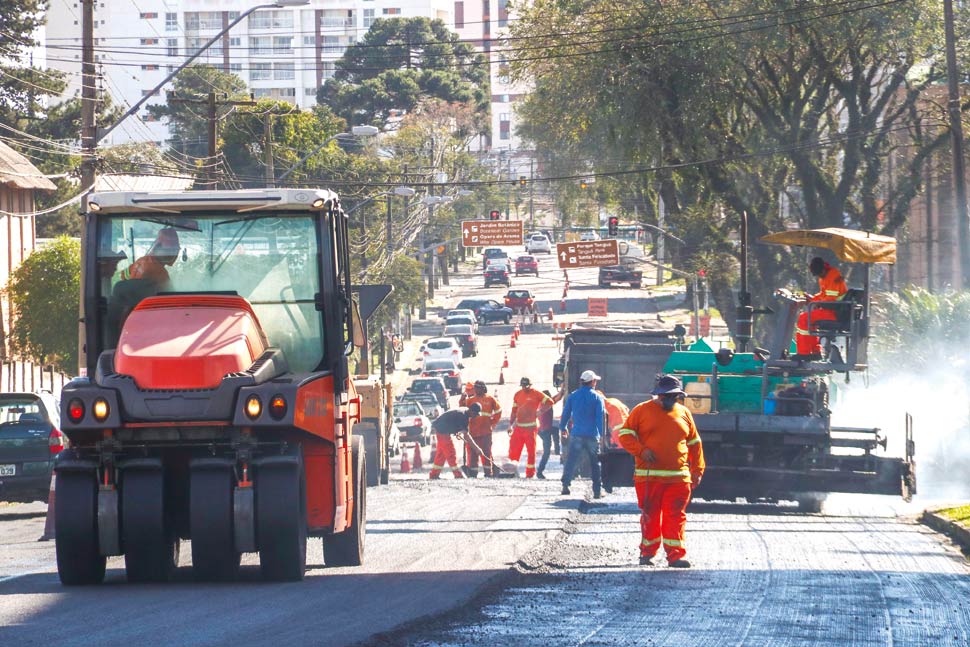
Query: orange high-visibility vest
[525, 407]
[831, 285]
[670, 435]
[490, 415]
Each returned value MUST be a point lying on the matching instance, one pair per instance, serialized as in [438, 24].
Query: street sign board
[481, 233]
[588, 253]
[596, 307]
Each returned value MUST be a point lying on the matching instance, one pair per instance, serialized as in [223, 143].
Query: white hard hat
[588, 376]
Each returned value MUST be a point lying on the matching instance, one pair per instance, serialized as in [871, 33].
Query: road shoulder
[954, 522]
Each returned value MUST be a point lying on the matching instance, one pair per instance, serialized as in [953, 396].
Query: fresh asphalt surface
[508, 562]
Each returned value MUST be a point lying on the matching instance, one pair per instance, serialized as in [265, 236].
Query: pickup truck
[622, 273]
[30, 439]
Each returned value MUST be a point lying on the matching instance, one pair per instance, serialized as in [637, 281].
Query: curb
[959, 534]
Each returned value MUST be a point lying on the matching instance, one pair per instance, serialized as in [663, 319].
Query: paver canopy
[848, 245]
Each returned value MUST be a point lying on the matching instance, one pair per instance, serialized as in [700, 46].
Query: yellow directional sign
[588, 253]
[481, 233]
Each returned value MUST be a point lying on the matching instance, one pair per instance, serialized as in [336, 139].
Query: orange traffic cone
[505, 362]
[512, 341]
[49, 521]
[501, 377]
[417, 456]
[405, 464]
[515, 331]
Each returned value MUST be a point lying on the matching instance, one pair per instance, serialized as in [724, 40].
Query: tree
[738, 105]
[23, 88]
[399, 63]
[43, 292]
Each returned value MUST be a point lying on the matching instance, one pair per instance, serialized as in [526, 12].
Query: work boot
[540, 476]
[597, 495]
[565, 489]
[646, 560]
[458, 474]
[433, 476]
[679, 563]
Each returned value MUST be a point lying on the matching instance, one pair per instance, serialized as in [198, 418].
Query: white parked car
[589, 235]
[538, 243]
[440, 348]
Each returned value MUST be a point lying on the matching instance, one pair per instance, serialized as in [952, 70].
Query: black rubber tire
[150, 545]
[214, 557]
[373, 469]
[508, 320]
[635, 286]
[79, 561]
[482, 321]
[347, 547]
[281, 520]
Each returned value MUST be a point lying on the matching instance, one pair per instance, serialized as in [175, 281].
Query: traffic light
[523, 180]
[494, 215]
[614, 225]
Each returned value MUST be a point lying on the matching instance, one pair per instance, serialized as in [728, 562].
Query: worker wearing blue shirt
[585, 408]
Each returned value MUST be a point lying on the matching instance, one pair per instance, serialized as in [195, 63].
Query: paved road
[863, 574]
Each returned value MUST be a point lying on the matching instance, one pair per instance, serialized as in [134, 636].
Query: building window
[503, 74]
[149, 41]
[504, 117]
[459, 15]
[282, 44]
[391, 11]
[235, 68]
[261, 72]
[309, 41]
[260, 45]
[283, 71]
[149, 15]
[286, 93]
[195, 20]
[309, 92]
[503, 13]
[261, 93]
[327, 69]
[172, 47]
[233, 15]
[277, 19]
[171, 22]
[368, 18]
[504, 130]
[337, 19]
[235, 41]
[331, 45]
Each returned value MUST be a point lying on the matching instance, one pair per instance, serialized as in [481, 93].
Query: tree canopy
[799, 113]
[399, 63]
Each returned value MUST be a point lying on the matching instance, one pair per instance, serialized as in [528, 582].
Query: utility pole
[532, 192]
[268, 145]
[212, 105]
[956, 133]
[89, 143]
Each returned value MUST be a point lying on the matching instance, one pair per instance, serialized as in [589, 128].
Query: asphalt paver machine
[764, 416]
[215, 402]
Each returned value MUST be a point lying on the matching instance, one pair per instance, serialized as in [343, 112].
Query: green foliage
[22, 87]
[921, 331]
[399, 63]
[44, 294]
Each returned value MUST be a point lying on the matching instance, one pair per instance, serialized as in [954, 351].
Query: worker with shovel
[480, 430]
[527, 405]
[445, 426]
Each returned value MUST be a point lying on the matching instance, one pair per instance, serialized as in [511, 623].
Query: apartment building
[284, 53]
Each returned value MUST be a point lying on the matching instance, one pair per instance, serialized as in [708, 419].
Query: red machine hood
[188, 342]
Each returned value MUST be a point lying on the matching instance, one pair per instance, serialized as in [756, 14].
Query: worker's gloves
[695, 480]
[647, 456]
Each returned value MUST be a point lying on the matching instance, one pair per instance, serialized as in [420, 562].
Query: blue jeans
[585, 445]
[549, 438]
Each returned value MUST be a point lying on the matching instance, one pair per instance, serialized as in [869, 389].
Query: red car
[527, 265]
[520, 300]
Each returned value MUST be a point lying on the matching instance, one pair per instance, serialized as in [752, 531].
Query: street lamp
[279, 4]
[356, 131]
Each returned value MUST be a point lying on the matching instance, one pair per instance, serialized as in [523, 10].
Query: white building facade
[285, 53]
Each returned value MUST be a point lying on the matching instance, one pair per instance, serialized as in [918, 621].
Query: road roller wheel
[150, 545]
[281, 520]
[347, 548]
[79, 561]
[214, 556]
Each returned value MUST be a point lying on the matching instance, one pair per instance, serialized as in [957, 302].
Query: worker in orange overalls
[661, 435]
[616, 415]
[446, 425]
[831, 287]
[163, 252]
[480, 429]
[527, 404]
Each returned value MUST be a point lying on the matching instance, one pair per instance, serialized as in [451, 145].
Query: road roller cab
[215, 403]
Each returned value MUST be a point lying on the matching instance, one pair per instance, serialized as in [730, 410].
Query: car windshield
[426, 399]
[458, 330]
[409, 408]
[441, 344]
[426, 385]
[470, 305]
[439, 365]
[269, 259]
[519, 294]
[463, 319]
[526, 259]
[12, 408]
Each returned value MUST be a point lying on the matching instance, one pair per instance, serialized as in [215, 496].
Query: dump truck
[215, 402]
[764, 416]
[376, 423]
